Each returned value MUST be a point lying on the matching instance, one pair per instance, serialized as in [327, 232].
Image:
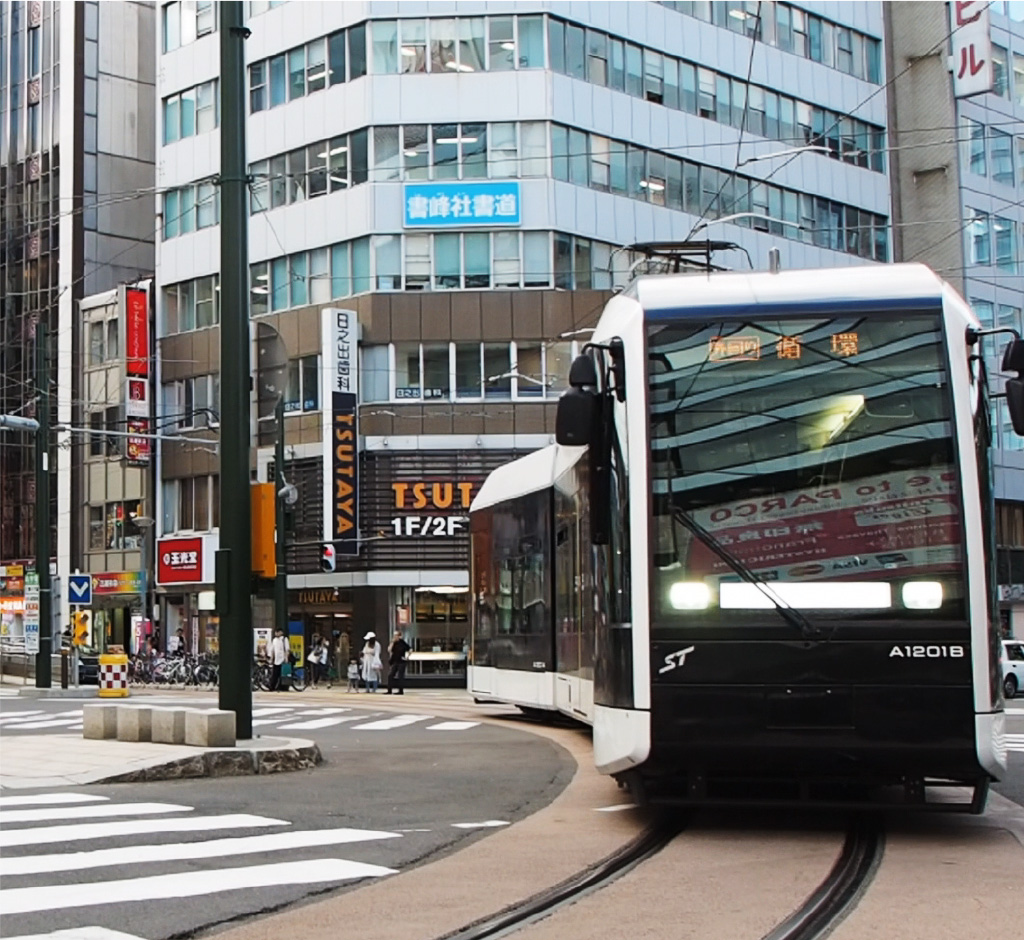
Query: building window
[96, 441]
[979, 237]
[1004, 231]
[465, 371]
[184, 22]
[974, 144]
[96, 340]
[189, 112]
[180, 313]
[96, 528]
[1002, 157]
[1000, 83]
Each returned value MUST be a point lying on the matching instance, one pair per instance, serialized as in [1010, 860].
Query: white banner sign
[31, 617]
[972, 47]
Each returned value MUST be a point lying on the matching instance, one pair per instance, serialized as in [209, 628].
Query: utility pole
[281, 580]
[234, 559]
[43, 664]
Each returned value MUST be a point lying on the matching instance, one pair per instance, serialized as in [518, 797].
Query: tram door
[568, 617]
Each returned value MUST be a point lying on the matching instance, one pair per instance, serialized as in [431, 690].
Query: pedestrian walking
[353, 676]
[325, 661]
[371, 665]
[313, 660]
[397, 653]
[278, 657]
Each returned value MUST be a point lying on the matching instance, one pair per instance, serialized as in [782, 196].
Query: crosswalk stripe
[20, 716]
[270, 710]
[134, 827]
[186, 884]
[80, 933]
[8, 816]
[178, 851]
[387, 724]
[453, 726]
[317, 723]
[48, 799]
[310, 712]
[47, 723]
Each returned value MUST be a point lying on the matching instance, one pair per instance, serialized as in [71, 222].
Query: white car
[1013, 667]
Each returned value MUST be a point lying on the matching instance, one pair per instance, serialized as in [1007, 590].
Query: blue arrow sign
[80, 589]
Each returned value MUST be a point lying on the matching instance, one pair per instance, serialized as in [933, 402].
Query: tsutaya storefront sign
[432, 508]
[340, 340]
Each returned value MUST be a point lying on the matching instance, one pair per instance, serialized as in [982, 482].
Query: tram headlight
[689, 595]
[922, 595]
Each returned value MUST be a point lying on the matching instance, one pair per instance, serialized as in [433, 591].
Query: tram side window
[613, 639]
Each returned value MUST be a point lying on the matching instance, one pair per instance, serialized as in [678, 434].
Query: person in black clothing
[397, 652]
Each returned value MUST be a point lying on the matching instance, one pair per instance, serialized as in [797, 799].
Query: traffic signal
[79, 628]
[327, 557]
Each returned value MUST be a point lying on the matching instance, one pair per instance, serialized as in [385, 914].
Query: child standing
[353, 676]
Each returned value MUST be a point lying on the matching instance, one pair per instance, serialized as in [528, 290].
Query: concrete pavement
[47, 760]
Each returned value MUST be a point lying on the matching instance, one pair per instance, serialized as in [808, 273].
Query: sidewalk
[60, 760]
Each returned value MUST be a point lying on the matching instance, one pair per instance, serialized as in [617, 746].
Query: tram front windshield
[803, 463]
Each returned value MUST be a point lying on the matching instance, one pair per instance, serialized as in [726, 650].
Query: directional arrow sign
[80, 589]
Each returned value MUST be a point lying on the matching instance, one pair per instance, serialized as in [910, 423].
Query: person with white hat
[371, 664]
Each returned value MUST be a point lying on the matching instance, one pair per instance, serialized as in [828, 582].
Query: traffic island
[246, 758]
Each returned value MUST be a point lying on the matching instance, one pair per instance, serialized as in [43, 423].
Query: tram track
[839, 892]
[824, 908]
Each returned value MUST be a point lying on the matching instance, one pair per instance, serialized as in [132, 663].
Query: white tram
[759, 561]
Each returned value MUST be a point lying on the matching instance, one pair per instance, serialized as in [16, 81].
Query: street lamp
[792, 151]
[745, 215]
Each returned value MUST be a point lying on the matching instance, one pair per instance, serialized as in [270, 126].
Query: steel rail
[837, 895]
[540, 905]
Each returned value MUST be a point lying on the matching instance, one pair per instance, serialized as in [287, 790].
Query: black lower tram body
[808, 741]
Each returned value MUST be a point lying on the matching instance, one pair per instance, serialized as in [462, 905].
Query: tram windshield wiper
[791, 615]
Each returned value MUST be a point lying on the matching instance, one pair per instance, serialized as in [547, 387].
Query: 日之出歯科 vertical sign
[340, 337]
[137, 398]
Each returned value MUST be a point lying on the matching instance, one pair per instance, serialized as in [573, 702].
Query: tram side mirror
[1013, 361]
[574, 420]
[577, 408]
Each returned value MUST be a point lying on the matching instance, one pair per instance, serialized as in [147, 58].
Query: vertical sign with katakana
[971, 37]
[457, 205]
[340, 427]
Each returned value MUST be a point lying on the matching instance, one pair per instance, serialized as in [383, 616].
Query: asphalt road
[389, 800]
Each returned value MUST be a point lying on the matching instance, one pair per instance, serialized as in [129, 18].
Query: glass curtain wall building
[77, 149]
[968, 225]
[470, 186]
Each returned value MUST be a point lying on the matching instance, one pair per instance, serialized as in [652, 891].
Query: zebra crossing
[113, 860]
[278, 717]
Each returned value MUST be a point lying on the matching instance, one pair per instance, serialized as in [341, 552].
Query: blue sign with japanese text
[458, 204]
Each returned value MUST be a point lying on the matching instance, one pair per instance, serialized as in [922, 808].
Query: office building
[467, 180]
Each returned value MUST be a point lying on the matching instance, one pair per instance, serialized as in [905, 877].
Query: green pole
[281, 581]
[43, 664]
[234, 564]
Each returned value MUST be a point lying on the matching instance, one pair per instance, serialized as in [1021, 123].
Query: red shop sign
[180, 560]
[137, 332]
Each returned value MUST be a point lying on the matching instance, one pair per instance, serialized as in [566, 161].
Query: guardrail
[14, 661]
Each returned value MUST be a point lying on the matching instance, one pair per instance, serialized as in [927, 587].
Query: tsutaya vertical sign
[340, 339]
[971, 37]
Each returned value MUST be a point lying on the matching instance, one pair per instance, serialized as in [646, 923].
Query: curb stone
[225, 763]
